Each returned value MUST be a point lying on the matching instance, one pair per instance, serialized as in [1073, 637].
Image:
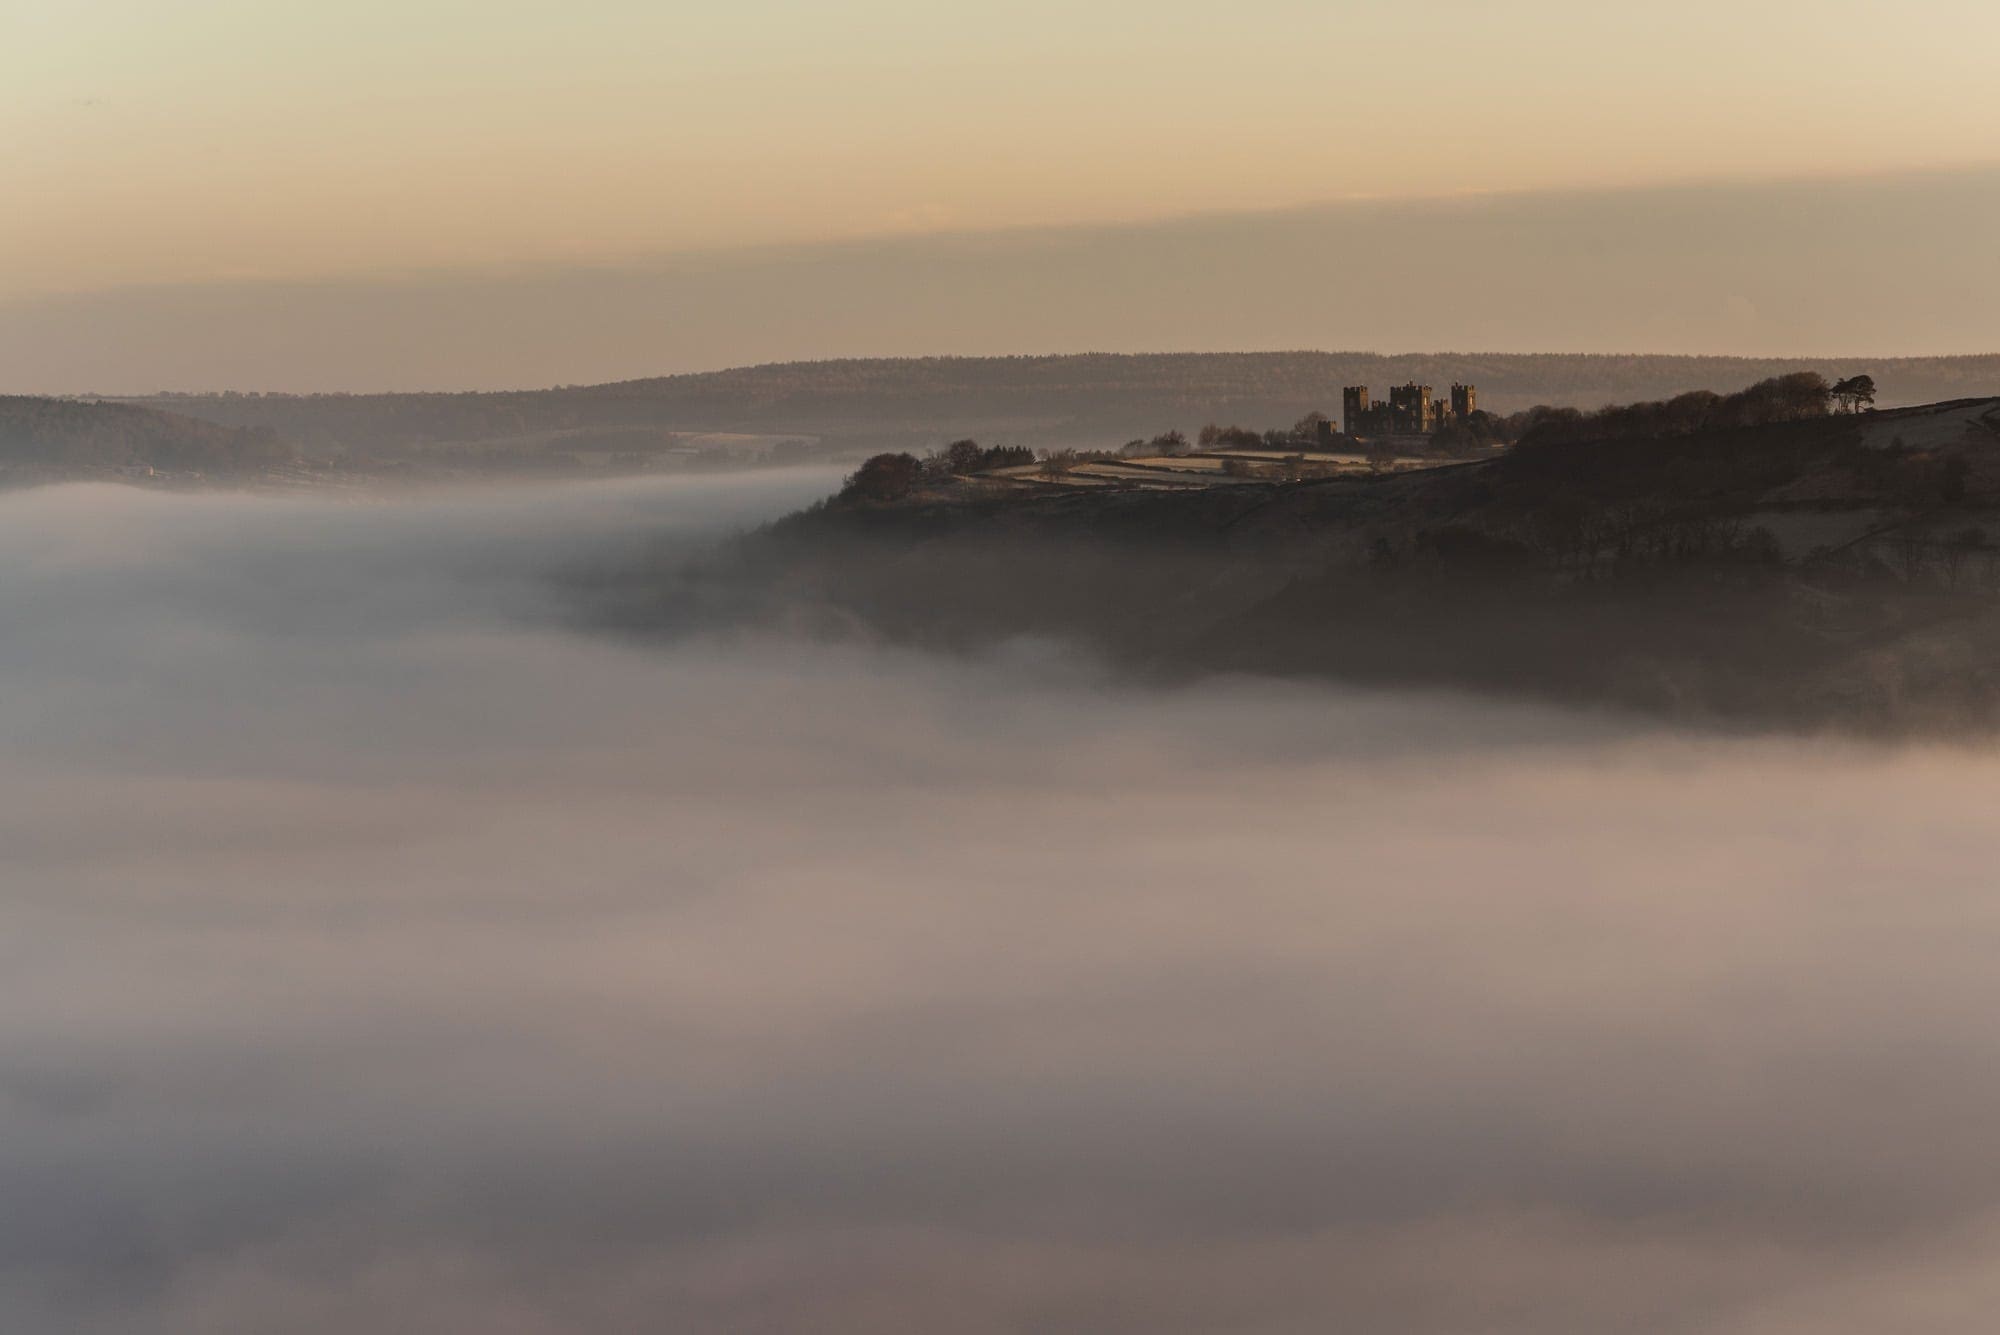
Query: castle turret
[1354, 409]
[1411, 411]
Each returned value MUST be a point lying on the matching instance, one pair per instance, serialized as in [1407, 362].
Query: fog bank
[382, 952]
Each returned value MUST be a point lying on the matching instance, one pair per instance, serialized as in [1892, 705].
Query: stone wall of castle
[1411, 410]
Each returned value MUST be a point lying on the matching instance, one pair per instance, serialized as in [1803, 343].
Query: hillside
[1842, 571]
[1092, 400]
[42, 439]
[45, 440]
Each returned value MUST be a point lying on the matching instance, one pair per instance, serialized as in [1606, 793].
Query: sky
[210, 145]
[383, 949]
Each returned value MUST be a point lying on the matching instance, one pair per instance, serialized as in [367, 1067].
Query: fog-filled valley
[387, 948]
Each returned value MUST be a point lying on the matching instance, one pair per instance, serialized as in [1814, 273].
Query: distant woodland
[63, 436]
[1085, 401]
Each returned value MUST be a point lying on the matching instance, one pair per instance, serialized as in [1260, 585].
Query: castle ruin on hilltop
[1411, 410]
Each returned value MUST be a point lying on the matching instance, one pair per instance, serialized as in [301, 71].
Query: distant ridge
[46, 438]
[1090, 398]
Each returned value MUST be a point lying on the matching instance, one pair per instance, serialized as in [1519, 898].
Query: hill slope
[44, 438]
[1838, 571]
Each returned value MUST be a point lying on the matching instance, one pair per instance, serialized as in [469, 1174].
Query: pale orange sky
[216, 140]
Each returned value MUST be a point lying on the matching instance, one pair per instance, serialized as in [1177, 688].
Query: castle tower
[1411, 410]
[1354, 409]
[1464, 401]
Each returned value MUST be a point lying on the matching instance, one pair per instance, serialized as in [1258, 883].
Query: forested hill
[65, 437]
[1091, 399]
[1839, 570]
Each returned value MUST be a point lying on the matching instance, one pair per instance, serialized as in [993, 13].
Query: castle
[1410, 411]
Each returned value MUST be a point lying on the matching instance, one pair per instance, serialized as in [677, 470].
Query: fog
[385, 950]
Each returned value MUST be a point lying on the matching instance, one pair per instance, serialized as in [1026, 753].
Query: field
[1194, 472]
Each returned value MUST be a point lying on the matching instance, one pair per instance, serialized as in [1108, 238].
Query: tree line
[891, 477]
[1786, 398]
[67, 433]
